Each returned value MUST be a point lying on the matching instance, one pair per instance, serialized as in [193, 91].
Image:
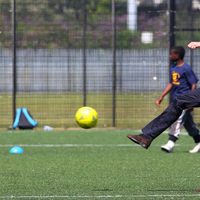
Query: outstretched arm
[194, 45]
[164, 93]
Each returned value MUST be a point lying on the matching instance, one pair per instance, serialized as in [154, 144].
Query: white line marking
[79, 145]
[100, 196]
[70, 145]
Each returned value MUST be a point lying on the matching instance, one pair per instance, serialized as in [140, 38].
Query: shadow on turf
[103, 190]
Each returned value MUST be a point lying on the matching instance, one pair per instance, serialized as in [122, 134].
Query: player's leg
[189, 100]
[157, 126]
[167, 118]
[192, 130]
[174, 133]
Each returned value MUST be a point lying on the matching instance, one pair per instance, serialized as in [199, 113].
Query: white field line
[77, 145]
[70, 145]
[100, 196]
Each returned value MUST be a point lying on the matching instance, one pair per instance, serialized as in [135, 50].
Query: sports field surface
[95, 164]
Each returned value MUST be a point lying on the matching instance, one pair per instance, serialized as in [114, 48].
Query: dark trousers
[190, 126]
[172, 113]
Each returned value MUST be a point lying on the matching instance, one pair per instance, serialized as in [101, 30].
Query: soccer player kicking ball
[182, 80]
[170, 114]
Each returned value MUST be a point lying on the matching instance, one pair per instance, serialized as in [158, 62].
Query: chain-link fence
[108, 54]
[187, 28]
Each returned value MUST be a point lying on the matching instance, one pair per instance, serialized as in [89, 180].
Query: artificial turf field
[95, 164]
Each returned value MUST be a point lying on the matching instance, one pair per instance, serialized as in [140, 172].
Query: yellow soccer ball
[86, 117]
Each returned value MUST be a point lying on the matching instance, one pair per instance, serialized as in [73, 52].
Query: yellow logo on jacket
[175, 78]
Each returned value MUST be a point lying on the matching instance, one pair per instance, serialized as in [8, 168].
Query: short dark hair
[179, 50]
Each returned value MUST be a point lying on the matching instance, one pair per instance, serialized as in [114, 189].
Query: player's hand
[194, 45]
[159, 101]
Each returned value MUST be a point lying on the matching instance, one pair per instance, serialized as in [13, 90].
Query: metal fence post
[14, 70]
[172, 23]
[191, 32]
[114, 79]
[84, 54]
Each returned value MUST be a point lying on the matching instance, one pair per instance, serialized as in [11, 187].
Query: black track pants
[172, 113]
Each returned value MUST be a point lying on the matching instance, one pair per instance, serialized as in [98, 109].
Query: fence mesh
[187, 29]
[5, 64]
[57, 40]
